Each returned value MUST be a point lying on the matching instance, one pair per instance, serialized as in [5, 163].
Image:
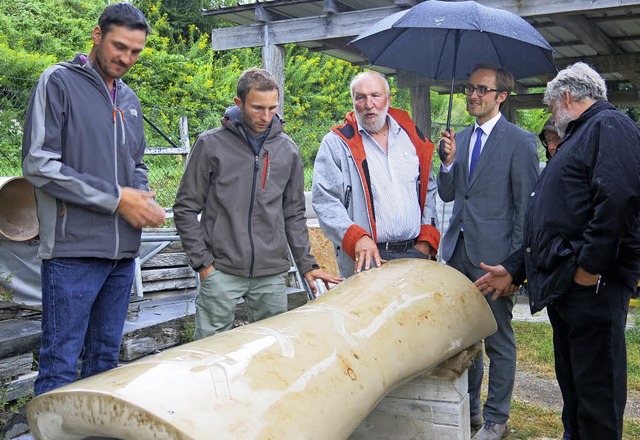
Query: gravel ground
[535, 390]
[530, 388]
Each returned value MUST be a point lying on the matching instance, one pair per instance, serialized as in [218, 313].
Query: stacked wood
[168, 270]
[19, 339]
[155, 325]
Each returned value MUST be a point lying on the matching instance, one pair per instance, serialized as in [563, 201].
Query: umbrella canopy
[446, 40]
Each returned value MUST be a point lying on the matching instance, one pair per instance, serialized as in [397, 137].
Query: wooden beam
[605, 63]
[525, 9]
[299, 30]
[537, 8]
[333, 7]
[589, 33]
[615, 97]
[263, 15]
[421, 108]
[227, 10]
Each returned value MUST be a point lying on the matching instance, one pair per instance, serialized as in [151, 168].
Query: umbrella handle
[456, 36]
[441, 153]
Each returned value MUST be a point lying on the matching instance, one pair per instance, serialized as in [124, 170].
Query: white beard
[563, 117]
[375, 125]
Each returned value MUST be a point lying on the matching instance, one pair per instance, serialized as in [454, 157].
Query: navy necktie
[475, 154]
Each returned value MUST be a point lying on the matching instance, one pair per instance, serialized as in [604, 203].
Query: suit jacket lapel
[462, 152]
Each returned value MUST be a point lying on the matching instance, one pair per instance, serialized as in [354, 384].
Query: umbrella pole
[441, 153]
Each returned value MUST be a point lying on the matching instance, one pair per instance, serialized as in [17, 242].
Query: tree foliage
[178, 73]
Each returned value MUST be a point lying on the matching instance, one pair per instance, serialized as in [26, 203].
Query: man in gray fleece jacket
[82, 151]
[245, 180]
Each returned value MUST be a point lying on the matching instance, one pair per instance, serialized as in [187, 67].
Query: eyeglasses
[480, 90]
[551, 140]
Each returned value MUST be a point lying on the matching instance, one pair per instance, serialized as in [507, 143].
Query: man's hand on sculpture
[366, 249]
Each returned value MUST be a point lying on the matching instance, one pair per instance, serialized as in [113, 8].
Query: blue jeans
[84, 305]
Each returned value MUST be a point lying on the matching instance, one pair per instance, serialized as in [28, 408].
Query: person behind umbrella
[239, 205]
[489, 172]
[550, 138]
[373, 189]
[581, 249]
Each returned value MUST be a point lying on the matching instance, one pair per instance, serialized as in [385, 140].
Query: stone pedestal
[426, 407]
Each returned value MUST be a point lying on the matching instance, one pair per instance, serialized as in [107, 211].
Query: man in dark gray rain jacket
[581, 250]
[82, 151]
[246, 182]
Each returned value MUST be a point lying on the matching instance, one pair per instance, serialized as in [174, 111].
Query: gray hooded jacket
[79, 148]
[250, 205]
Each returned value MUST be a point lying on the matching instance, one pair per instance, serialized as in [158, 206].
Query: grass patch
[535, 350]
[528, 421]
[534, 343]
[633, 360]
[535, 353]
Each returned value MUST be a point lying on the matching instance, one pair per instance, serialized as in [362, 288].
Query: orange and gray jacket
[79, 148]
[341, 193]
[250, 206]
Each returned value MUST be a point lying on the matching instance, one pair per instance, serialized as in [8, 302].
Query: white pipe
[18, 217]
[312, 373]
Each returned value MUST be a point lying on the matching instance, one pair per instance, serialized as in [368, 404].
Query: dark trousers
[591, 358]
[409, 253]
[500, 348]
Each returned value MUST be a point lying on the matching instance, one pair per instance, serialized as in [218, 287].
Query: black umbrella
[444, 40]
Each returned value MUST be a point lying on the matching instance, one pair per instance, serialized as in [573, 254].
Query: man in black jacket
[581, 251]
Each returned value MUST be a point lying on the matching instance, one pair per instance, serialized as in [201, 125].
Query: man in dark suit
[489, 172]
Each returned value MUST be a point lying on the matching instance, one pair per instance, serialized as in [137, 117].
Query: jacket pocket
[557, 264]
[556, 252]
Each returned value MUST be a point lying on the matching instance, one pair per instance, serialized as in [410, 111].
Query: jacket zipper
[256, 167]
[115, 169]
[267, 170]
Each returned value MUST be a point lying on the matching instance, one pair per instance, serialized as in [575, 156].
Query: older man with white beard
[373, 189]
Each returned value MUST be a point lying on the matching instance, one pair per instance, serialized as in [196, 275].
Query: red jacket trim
[348, 132]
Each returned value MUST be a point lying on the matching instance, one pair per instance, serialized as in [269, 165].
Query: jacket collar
[232, 121]
[596, 108]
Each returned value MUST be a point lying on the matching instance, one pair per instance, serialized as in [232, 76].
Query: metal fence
[167, 137]
[13, 104]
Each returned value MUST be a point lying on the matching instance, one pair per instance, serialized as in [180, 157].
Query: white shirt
[487, 128]
[394, 184]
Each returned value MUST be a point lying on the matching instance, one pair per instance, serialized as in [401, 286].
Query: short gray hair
[361, 75]
[580, 80]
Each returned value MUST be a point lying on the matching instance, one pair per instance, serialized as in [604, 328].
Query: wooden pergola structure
[603, 33]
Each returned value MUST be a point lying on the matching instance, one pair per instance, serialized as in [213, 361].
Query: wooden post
[184, 138]
[273, 61]
[509, 110]
[420, 92]
[421, 108]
